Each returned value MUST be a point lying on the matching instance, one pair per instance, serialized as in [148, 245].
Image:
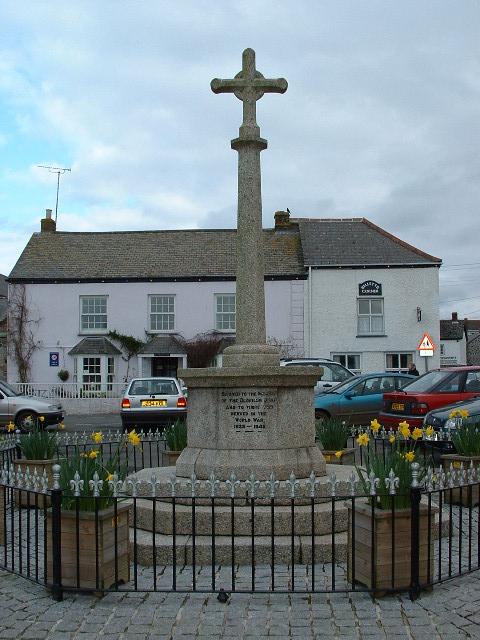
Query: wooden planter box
[382, 548]
[87, 548]
[172, 457]
[347, 457]
[454, 494]
[22, 497]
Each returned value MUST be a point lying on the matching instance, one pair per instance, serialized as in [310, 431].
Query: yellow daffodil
[417, 433]
[61, 426]
[134, 438]
[458, 413]
[41, 418]
[109, 477]
[429, 431]
[464, 413]
[10, 427]
[391, 439]
[93, 454]
[375, 425]
[338, 454]
[404, 429]
[410, 456]
[363, 439]
[97, 437]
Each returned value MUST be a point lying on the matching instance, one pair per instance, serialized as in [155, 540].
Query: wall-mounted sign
[370, 288]
[54, 358]
[426, 346]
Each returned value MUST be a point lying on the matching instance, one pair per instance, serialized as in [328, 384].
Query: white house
[369, 297]
[341, 288]
[150, 285]
[453, 341]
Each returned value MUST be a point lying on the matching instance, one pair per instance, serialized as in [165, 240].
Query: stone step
[160, 546]
[162, 476]
[242, 518]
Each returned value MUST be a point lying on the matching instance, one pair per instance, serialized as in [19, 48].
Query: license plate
[154, 403]
[398, 406]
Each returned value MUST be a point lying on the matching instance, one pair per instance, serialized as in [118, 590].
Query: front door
[164, 366]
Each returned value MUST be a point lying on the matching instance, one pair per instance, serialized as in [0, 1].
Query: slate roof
[149, 255]
[94, 346]
[166, 345]
[3, 286]
[355, 242]
[3, 309]
[451, 329]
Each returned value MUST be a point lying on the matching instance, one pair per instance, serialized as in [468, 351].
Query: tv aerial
[59, 171]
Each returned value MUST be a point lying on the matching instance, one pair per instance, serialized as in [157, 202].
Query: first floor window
[225, 311]
[370, 316]
[398, 361]
[162, 313]
[349, 360]
[93, 313]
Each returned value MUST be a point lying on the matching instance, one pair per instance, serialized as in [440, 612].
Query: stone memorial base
[250, 419]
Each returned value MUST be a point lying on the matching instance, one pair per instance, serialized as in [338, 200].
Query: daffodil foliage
[332, 433]
[398, 458]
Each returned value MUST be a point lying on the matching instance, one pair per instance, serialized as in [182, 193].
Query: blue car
[359, 399]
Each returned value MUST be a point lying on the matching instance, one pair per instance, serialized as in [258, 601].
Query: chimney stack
[282, 220]
[454, 316]
[47, 224]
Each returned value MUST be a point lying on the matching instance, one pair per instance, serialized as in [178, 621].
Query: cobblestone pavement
[452, 610]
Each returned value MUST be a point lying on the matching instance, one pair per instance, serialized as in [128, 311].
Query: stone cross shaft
[249, 85]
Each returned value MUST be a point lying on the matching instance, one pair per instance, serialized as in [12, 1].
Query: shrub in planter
[332, 434]
[38, 450]
[176, 439]
[466, 440]
[94, 524]
[379, 528]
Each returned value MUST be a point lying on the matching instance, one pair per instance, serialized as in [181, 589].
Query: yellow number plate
[154, 403]
[398, 406]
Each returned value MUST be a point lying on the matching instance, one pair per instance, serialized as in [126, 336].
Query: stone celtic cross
[249, 85]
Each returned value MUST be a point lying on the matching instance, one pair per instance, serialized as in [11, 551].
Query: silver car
[152, 402]
[23, 411]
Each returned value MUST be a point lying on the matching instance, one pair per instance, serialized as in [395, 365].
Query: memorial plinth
[251, 420]
[250, 416]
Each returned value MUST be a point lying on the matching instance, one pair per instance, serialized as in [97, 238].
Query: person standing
[412, 369]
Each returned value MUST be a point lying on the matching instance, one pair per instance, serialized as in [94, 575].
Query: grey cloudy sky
[381, 118]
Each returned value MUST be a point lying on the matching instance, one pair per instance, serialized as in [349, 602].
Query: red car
[434, 389]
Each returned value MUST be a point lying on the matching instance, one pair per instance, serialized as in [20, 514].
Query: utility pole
[58, 171]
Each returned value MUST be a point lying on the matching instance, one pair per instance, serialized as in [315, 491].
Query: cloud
[380, 118]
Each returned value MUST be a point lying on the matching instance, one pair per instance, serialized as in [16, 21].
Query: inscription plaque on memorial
[247, 410]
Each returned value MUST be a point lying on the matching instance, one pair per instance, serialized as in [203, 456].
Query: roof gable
[356, 242]
[145, 255]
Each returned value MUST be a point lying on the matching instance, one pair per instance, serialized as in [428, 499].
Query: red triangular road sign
[426, 343]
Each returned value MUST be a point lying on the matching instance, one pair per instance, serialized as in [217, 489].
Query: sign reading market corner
[370, 288]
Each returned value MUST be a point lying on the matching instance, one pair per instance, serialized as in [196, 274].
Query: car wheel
[26, 420]
[321, 415]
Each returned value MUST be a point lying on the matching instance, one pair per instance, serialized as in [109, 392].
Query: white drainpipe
[310, 312]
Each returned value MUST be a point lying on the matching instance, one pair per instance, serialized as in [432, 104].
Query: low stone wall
[86, 406]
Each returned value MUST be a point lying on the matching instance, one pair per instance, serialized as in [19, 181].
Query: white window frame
[399, 354]
[94, 314]
[221, 314]
[106, 372]
[370, 316]
[344, 355]
[168, 314]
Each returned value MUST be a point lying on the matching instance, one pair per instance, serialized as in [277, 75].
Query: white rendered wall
[454, 352]
[334, 314]
[56, 306]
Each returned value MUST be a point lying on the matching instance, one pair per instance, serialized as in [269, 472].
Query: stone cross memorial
[251, 415]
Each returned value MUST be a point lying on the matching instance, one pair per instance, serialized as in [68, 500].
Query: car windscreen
[153, 387]
[428, 381]
[7, 389]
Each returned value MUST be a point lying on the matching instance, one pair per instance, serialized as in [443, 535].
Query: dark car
[435, 389]
[359, 399]
[152, 402]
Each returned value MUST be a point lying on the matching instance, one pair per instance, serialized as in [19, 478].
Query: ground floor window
[398, 361]
[95, 373]
[349, 360]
